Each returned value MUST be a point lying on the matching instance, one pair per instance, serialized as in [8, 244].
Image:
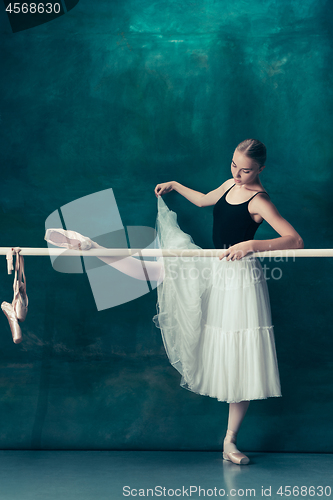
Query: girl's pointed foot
[230, 451]
[68, 239]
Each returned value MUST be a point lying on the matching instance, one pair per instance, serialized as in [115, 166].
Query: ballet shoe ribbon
[9, 257]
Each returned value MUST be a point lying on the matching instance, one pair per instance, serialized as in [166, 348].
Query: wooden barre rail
[155, 252]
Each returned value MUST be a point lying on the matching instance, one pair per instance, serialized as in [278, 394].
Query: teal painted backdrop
[125, 95]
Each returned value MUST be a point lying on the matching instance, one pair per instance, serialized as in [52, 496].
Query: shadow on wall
[23, 16]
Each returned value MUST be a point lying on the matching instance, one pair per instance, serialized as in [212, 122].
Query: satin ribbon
[9, 257]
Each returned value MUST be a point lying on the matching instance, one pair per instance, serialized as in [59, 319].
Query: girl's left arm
[289, 238]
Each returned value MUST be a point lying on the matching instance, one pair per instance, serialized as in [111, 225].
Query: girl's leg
[237, 413]
[128, 265]
[134, 267]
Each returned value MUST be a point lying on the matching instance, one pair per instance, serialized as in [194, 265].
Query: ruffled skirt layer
[215, 320]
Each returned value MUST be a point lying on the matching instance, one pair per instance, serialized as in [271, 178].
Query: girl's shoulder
[261, 192]
[258, 190]
[258, 196]
[228, 183]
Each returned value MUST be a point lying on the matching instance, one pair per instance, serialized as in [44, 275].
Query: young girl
[220, 334]
[214, 313]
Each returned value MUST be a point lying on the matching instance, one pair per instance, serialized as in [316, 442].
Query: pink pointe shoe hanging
[18, 309]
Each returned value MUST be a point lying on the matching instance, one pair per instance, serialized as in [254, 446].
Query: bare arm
[191, 195]
[213, 197]
[289, 238]
[195, 197]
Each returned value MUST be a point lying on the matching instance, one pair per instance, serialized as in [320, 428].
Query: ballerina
[216, 326]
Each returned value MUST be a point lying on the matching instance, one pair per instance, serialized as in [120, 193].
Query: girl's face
[243, 169]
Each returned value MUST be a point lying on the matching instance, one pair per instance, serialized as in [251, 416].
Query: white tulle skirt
[215, 320]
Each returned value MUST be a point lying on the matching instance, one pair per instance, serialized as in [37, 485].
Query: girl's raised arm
[195, 197]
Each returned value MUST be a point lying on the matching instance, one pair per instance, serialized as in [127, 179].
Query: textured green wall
[123, 95]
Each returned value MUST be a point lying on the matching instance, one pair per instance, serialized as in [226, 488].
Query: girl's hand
[236, 252]
[163, 188]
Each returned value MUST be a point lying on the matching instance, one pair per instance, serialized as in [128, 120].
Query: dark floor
[48, 475]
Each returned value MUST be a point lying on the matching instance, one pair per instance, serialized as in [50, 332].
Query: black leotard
[233, 223]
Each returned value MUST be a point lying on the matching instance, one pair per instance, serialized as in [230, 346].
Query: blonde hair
[254, 149]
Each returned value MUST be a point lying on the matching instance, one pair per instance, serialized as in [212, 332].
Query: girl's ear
[262, 168]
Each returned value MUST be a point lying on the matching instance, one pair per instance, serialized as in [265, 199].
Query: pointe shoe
[21, 304]
[68, 239]
[230, 451]
[9, 312]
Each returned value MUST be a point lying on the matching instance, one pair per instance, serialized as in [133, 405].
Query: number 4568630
[33, 8]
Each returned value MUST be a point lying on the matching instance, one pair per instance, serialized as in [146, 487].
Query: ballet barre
[155, 252]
